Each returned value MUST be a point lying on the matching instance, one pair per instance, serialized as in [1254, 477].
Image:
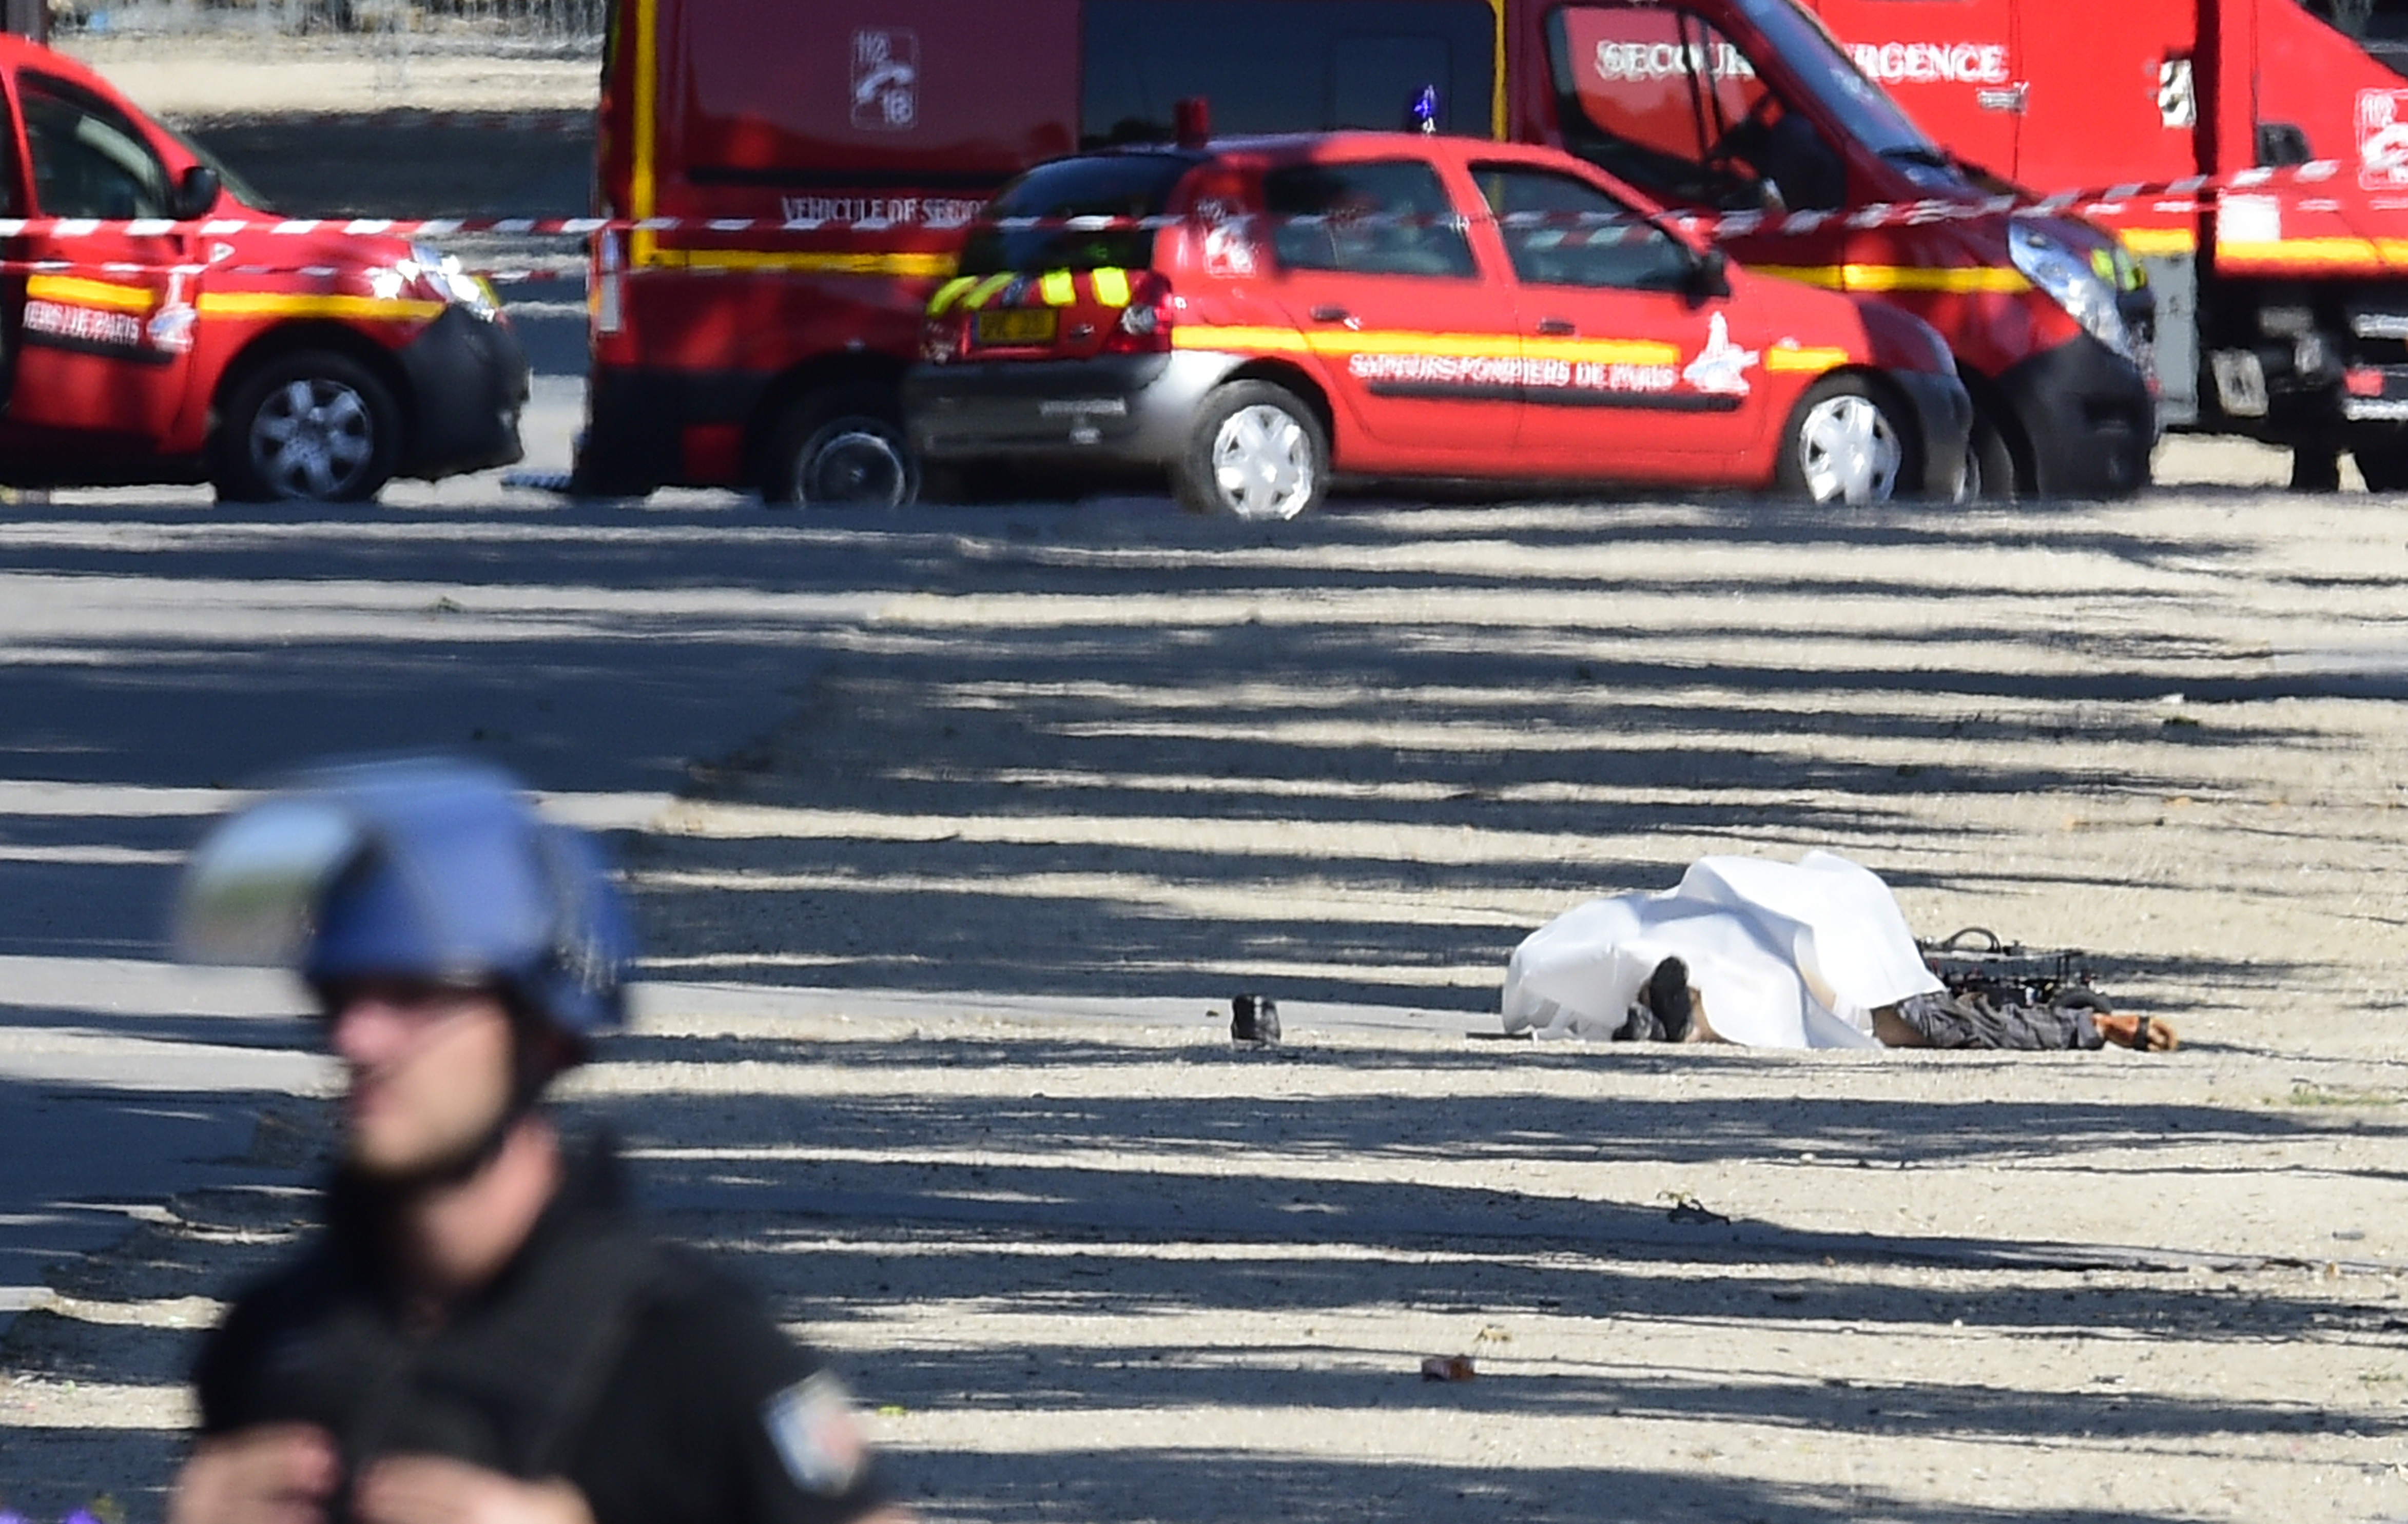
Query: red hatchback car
[1254, 314]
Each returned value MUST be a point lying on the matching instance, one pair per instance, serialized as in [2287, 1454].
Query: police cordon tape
[316, 272]
[2185, 196]
[2188, 194]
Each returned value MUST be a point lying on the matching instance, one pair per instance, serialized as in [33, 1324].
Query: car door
[99, 318]
[1375, 270]
[1633, 366]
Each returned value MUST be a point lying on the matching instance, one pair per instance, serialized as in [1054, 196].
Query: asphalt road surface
[958, 823]
[162, 654]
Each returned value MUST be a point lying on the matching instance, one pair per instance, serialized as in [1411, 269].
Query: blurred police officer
[482, 1332]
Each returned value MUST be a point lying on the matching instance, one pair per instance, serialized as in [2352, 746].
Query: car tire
[1848, 441]
[311, 426]
[2385, 466]
[841, 447]
[1255, 452]
[1989, 463]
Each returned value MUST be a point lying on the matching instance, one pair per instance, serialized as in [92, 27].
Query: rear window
[1108, 185]
[1284, 65]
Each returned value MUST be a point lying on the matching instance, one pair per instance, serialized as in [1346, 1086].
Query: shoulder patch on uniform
[812, 1427]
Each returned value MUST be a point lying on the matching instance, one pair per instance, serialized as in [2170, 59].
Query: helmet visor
[250, 892]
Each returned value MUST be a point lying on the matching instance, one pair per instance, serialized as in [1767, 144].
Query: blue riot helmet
[418, 869]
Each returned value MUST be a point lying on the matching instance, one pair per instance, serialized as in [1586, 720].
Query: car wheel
[1990, 464]
[1257, 451]
[841, 447]
[1845, 444]
[2384, 466]
[316, 426]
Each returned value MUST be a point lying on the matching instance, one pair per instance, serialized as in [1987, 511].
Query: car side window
[89, 159]
[1384, 217]
[1561, 231]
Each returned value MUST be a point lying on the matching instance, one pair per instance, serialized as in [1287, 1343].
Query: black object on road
[1253, 1018]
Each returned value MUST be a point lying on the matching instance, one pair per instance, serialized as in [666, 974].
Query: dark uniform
[658, 1387]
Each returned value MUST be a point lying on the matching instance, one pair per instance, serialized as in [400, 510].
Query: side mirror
[1710, 275]
[196, 194]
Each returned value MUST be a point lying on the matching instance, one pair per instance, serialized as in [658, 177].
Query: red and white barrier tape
[564, 120]
[313, 272]
[2174, 198]
[220, 227]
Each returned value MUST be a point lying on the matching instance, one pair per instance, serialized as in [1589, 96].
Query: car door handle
[1557, 327]
[1333, 314]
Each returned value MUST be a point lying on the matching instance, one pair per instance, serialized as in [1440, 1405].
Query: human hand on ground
[429, 1490]
[277, 1473]
[2142, 1032]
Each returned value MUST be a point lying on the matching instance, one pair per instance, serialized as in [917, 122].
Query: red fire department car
[874, 129]
[1400, 305]
[148, 334]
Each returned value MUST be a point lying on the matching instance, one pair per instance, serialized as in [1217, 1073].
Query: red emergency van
[1404, 304]
[875, 129]
[2283, 309]
[156, 327]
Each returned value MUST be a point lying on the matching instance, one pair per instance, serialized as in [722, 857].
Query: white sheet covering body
[1786, 955]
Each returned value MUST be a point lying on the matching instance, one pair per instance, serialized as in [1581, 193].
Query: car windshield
[1115, 185]
[1825, 70]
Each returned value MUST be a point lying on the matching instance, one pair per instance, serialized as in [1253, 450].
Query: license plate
[1017, 325]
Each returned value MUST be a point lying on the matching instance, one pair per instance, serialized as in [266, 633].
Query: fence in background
[383, 29]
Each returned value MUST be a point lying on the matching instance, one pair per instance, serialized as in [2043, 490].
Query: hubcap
[1262, 463]
[1849, 452]
[315, 438]
[852, 464]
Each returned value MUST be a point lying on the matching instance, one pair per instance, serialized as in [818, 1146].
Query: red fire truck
[874, 129]
[2283, 308]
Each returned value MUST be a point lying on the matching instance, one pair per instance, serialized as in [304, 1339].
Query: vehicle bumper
[468, 383]
[1944, 417]
[1129, 409]
[2087, 412]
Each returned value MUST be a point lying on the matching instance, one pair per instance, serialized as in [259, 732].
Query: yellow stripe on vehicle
[794, 261]
[641, 245]
[82, 292]
[983, 293]
[1602, 351]
[1496, 77]
[2159, 241]
[1798, 358]
[950, 292]
[1452, 346]
[2316, 254]
[1111, 286]
[1892, 278]
[1339, 342]
[1056, 288]
[1192, 335]
[262, 304]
